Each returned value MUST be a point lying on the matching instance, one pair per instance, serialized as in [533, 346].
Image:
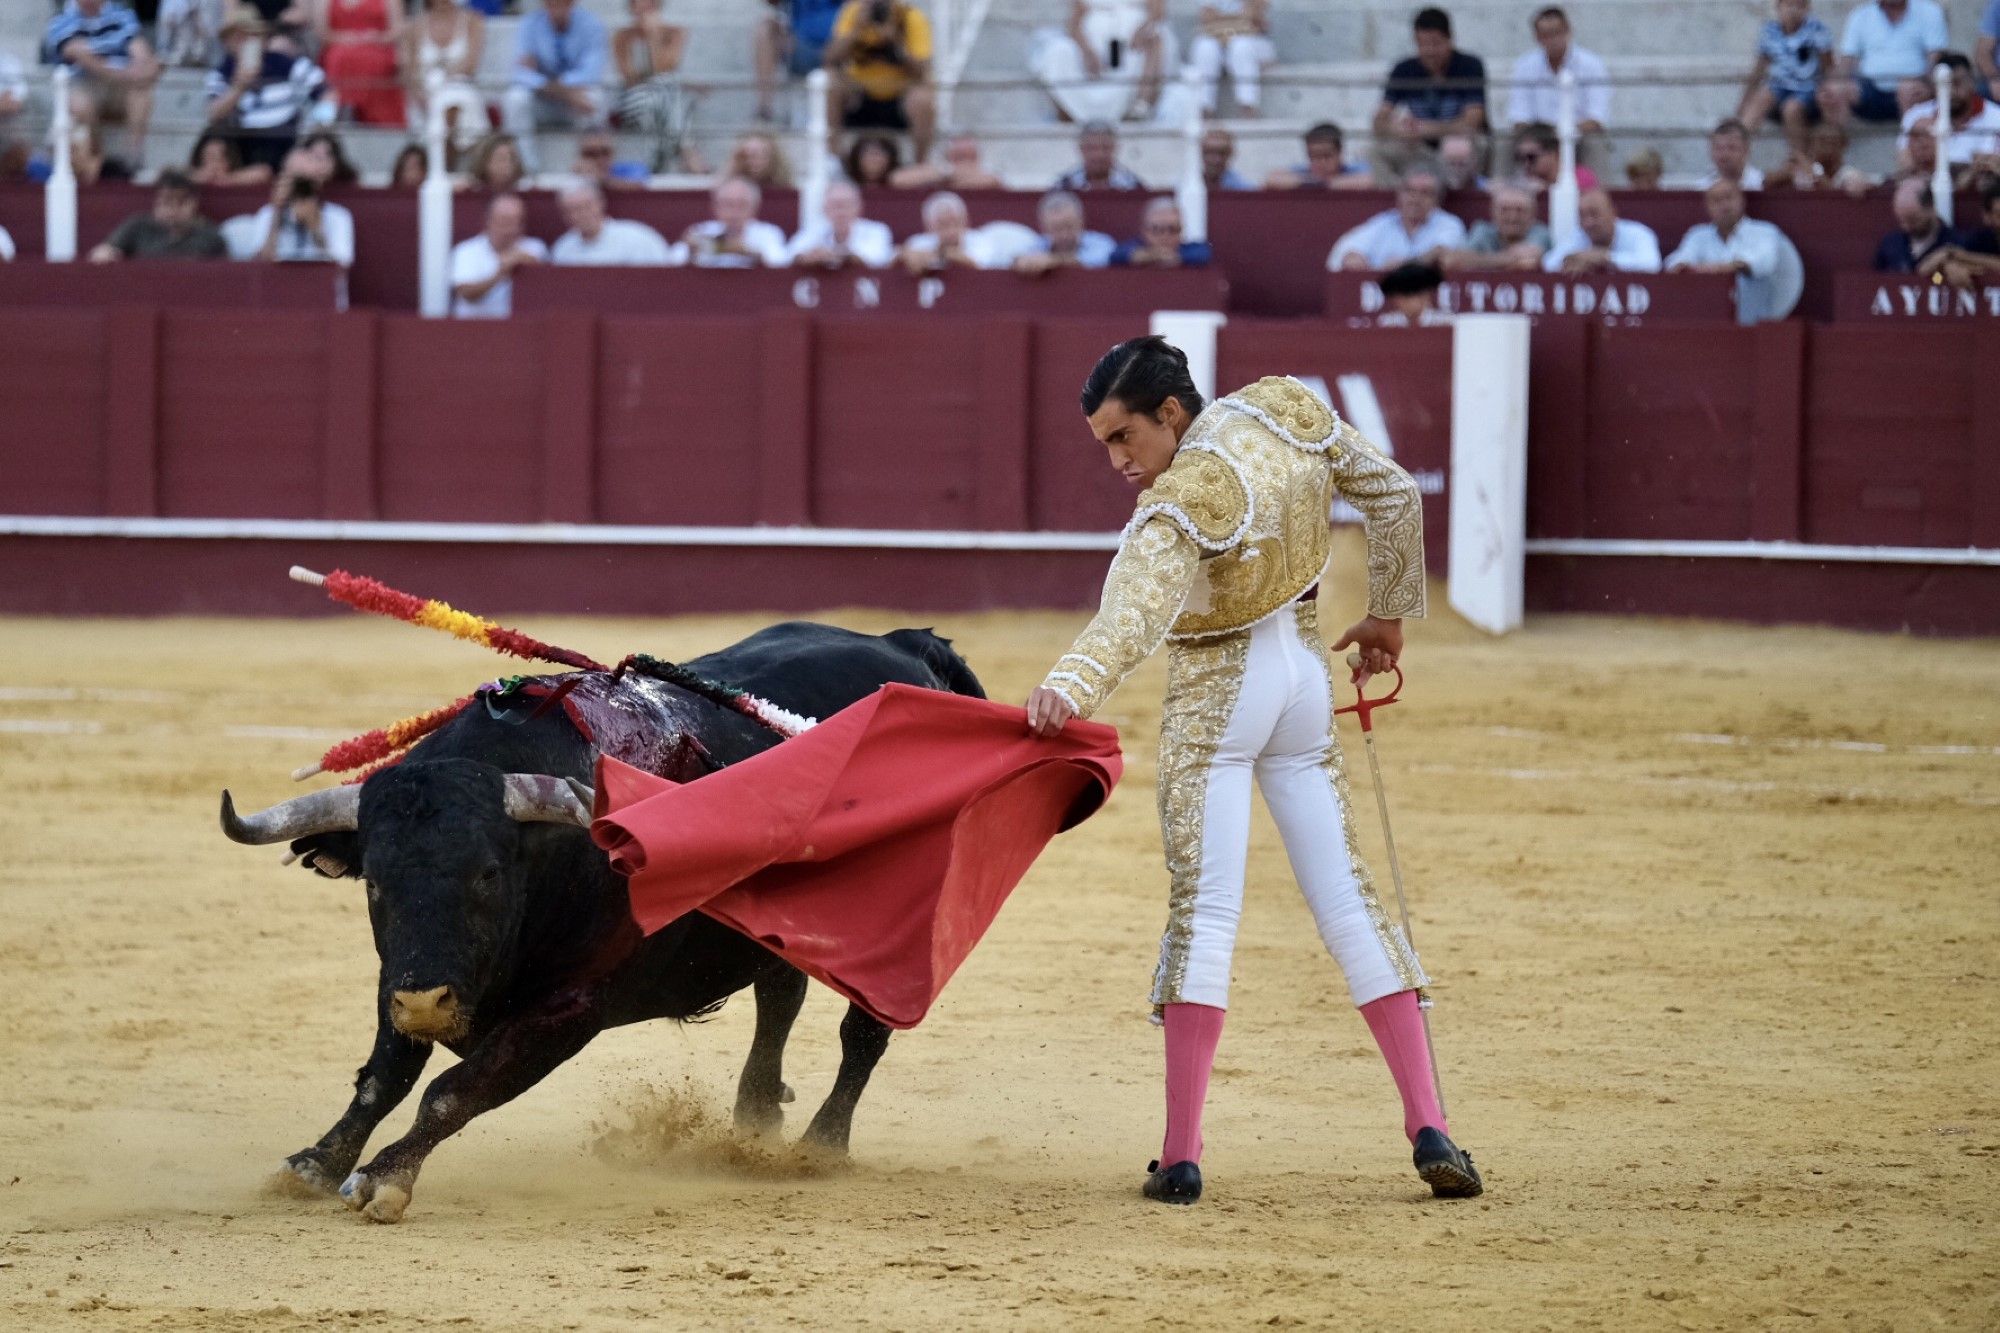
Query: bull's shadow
[504, 934]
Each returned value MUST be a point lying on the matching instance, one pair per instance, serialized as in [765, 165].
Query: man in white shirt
[1975, 121]
[948, 240]
[299, 225]
[482, 269]
[594, 238]
[1065, 241]
[1768, 273]
[1604, 242]
[1416, 228]
[1729, 158]
[1536, 98]
[735, 237]
[1885, 50]
[842, 237]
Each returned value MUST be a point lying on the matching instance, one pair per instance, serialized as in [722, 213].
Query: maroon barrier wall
[1272, 246]
[640, 291]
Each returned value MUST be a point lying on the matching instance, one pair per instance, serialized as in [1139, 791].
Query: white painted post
[434, 211]
[1563, 194]
[1941, 174]
[1192, 191]
[1194, 332]
[1488, 484]
[59, 195]
[819, 150]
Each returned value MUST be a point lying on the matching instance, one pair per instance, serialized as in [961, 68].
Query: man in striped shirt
[114, 65]
[261, 95]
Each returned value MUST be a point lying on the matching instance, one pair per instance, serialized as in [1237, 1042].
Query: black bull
[504, 934]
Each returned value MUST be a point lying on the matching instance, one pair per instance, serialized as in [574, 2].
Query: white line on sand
[1602, 778]
[1775, 742]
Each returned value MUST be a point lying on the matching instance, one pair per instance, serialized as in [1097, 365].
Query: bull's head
[441, 846]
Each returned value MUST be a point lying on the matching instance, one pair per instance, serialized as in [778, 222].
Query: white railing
[59, 197]
[1941, 173]
[1563, 194]
[434, 211]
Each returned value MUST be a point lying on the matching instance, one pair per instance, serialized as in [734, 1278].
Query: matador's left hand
[1380, 642]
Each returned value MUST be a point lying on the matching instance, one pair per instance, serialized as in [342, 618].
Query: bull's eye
[489, 877]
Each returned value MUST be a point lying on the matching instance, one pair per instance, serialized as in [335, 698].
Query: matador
[1222, 561]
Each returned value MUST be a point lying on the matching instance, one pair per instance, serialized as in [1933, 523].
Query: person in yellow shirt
[880, 60]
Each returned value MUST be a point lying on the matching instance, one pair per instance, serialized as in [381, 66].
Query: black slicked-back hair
[1142, 373]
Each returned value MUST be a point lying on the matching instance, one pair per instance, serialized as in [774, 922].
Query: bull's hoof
[760, 1117]
[379, 1199]
[302, 1177]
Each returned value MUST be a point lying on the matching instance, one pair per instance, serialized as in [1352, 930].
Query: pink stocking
[1192, 1033]
[1398, 1025]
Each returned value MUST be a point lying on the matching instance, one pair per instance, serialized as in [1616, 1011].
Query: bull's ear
[330, 855]
[537, 798]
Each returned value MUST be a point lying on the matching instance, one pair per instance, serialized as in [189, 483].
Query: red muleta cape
[872, 851]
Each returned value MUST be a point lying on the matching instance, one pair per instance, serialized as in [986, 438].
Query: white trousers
[1245, 55]
[1277, 729]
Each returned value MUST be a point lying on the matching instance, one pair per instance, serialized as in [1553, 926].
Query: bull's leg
[513, 1058]
[862, 1041]
[379, 1087]
[761, 1091]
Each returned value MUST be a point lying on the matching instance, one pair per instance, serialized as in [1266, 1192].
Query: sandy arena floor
[1715, 913]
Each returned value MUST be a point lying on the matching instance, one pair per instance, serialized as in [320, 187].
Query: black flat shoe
[1179, 1183]
[1445, 1167]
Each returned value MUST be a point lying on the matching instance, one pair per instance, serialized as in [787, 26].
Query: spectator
[1644, 169]
[1109, 62]
[594, 239]
[113, 64]
[214, 161]
[962, 170]
[1768, 273]
[1538, 159]
[947, 240]
[1325, 168]
[298, 225]
[173, 229]
[1823, 165]
[1458, 162]
[263, 93]
[6, 247]
[1099, 168]
[1976, 258]
[648, 52]
[188, 33]
[735, 237]
[1236, 33]
[87, 161]
[1536, 96]
[1794, 53]
[1065, 242]
[1512, 239]
[1919, 231]
[1729, 158]
[871, 161]
[290, 21]
[1917, 158]
[482, 268]
[1975, 122]
[757, 158]
[1438, 91]
[357, 44]
[880, 58]
[597, 162]
[841, 237]
[1604, 242]
[558, 75]
[449, 40]
[1218, 148]
[1409, 295]
[1416, 228]
[412, 166]
[1986, 51]
[13, 93]
[322, 152]
[795, 32]
[1885, 51]
[1160, 243]
[495, 164]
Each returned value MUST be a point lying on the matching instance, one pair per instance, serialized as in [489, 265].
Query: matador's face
[1141, 444]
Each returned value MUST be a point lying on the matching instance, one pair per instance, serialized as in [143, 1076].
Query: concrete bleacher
[1680, 66]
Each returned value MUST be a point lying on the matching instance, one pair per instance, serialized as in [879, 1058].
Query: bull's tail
[938, 654]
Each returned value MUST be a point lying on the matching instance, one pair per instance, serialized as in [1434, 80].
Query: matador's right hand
[1048, 711]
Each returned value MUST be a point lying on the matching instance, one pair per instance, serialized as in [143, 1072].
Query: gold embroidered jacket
[1236, 528]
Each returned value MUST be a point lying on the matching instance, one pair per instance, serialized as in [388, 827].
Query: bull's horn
[335, 809]
[536, 798]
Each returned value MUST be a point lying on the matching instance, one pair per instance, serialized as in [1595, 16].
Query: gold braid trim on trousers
[1401, 956]
[1203, 682]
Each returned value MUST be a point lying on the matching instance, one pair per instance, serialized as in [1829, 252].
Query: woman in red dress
[358, 44]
